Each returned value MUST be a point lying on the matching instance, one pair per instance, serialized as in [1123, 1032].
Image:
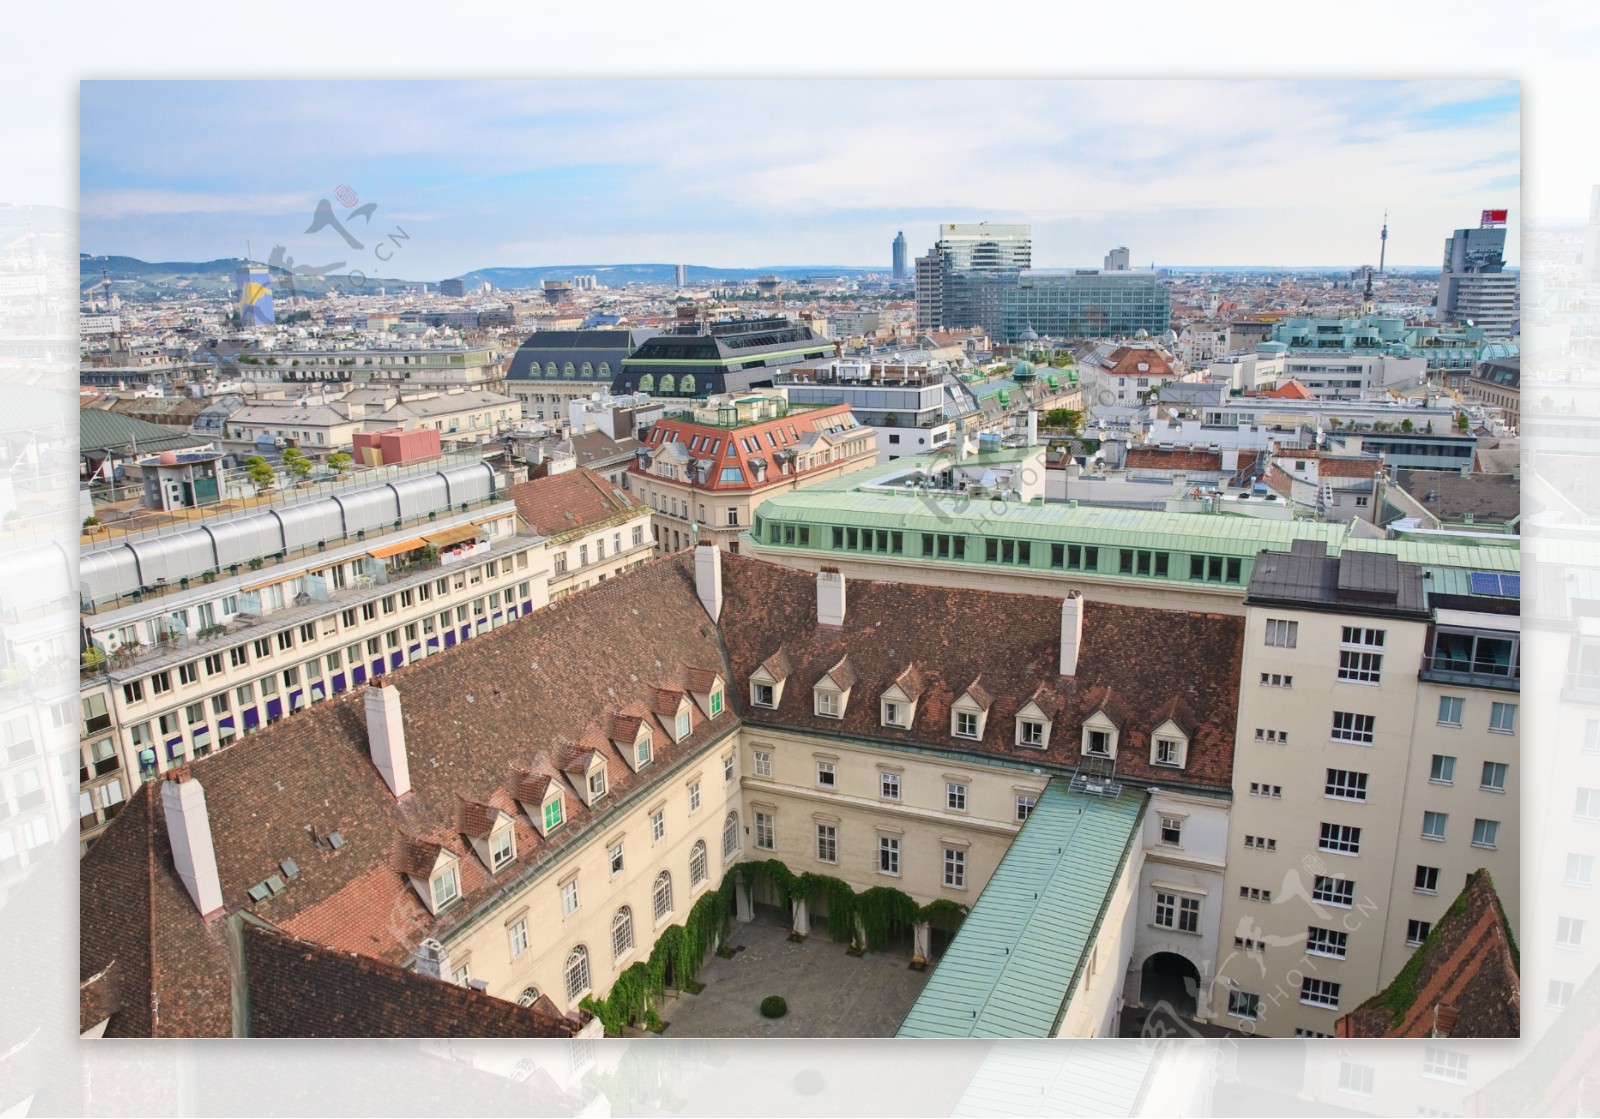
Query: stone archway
[1167, 977]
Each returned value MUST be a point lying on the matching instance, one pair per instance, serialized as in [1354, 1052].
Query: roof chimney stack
[830, 597]
[708, 578]
[189, 830]
[386, 736]
[1071, 632]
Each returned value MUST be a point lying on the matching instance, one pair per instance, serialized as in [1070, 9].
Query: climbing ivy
[884, 912]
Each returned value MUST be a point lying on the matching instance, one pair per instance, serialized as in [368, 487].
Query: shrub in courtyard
[774, 1006]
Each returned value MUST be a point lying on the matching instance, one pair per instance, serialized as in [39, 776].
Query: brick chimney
[1071, 632]
[830, 597]
[189, 830]
[708, 578]
[386, 736]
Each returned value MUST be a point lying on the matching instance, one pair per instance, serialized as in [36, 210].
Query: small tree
[297, 462]
[261, 474]
[1461, 421]
[339, 462]
[1407, 426]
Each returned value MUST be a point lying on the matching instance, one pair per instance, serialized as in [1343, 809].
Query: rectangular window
[1494, 777]
[966, 724]
[827, 843]
[1319, 992]
[569, 897]
[955, 868]
[1361, 638]
[1334, 891]
[1350, 727]
[694, 796]
[1033, 733]
[1485, 833]
[1442, 1064]
[1360, 668]
[1502, 718]
[1442, 770]
[1025, 805]
[1172, 830]
[826, 775]
[1434, 824]
[1426, 880]
[1276, 680]
[1282, 633]
[955, 795]
[1569, 932]
[1260, 789]
[1580, 869]
[617, 861]
[1450, 710]
[519, 938]
[1587, 805]
[1243, 1004]
[1355, 1078]
[827, 703]
[889, 786]
[764, 695]
[763, 762]
[1169, 752]
[1327, 942]
[888, 855]
[765, 839]
[1345, 784]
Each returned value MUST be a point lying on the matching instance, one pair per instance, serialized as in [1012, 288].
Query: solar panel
[1485, 582]
[1511, 586]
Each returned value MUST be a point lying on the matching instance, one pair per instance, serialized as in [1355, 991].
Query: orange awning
[446, 537]
[395, 549]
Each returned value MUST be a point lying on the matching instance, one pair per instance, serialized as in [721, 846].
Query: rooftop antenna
[1383, 243]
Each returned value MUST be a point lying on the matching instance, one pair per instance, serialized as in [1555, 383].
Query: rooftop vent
[335, 840]
[290, 868]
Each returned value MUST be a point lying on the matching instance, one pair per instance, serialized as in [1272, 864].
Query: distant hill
[134, 277]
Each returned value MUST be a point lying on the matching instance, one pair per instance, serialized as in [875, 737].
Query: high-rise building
[1117, 260]
[1085, 304]
[252, 294]
[900, 255]
[683, 276]
[1474, 287]
[962, 280]
[453, 287]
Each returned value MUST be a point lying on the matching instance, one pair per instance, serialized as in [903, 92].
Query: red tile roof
[1463, 980]
[770, 441]
[1290, 390]
[576, 501]
[1178, 458]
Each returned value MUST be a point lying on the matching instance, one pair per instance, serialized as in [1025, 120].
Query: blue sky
[751, 174]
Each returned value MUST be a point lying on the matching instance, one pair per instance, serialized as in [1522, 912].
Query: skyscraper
[900, 255]
[961, 282]
[1474, 288]
[683, 276]
[1117, 260]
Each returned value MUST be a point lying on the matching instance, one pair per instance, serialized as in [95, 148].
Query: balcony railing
[1474, 674]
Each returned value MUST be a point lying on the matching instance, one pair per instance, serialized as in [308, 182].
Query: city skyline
[1280, 174]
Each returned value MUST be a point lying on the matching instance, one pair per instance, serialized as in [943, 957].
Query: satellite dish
[1107, 396]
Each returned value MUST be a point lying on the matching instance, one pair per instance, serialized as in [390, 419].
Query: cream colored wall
[1096, 1001]
[615, 563]
[921, 818]
[1299, 767]
[485, 947]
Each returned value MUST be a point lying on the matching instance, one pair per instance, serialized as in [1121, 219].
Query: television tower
[1383, 242]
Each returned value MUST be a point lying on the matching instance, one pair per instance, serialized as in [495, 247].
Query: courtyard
[830, 994]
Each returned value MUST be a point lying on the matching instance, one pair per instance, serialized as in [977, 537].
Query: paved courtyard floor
[829, 993]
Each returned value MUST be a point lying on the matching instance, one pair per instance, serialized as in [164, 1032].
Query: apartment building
[413, 367]
[536, 842]
[705, 469]
[594, 530]
[1376, 769]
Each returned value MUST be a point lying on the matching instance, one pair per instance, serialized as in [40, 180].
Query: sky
[754, 174]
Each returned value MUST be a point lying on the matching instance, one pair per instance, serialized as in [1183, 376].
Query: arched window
[697, 864]
[730, 835]
[622, 933]
[647, 383]
[686, 384]
[549, 369]
[605, 369]
[577, 973]
[663, 895]
[529, 996]
[587, 370]
[668, 384]
[568, 371]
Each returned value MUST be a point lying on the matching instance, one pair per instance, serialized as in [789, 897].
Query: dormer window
[1097, 742]
[892, 713]
[1033, 726]
[597, 784]
[502, 845]
[966, 724]
[643, 749]
[683, 725]
[445, 885]
[970, 712]
[829, 703]
[553, 814]
[1169, 746]
[716, 701]
[763, 695]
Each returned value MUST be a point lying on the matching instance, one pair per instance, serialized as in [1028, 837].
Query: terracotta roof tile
[576, 501]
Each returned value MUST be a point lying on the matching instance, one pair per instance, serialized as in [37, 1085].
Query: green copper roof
[101, 430]
[1472, 557]
[1012, 968]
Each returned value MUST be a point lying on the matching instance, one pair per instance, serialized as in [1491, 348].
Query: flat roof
[1013, 966]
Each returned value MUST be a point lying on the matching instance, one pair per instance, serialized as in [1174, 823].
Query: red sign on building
[1494, 217]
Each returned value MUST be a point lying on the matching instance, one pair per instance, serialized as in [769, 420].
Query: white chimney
[189, 831]
[830, 597]
[708, 578]
[1071, 632]
[386, 736]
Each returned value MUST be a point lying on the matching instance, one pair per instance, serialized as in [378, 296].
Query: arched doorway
[1169, 978]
